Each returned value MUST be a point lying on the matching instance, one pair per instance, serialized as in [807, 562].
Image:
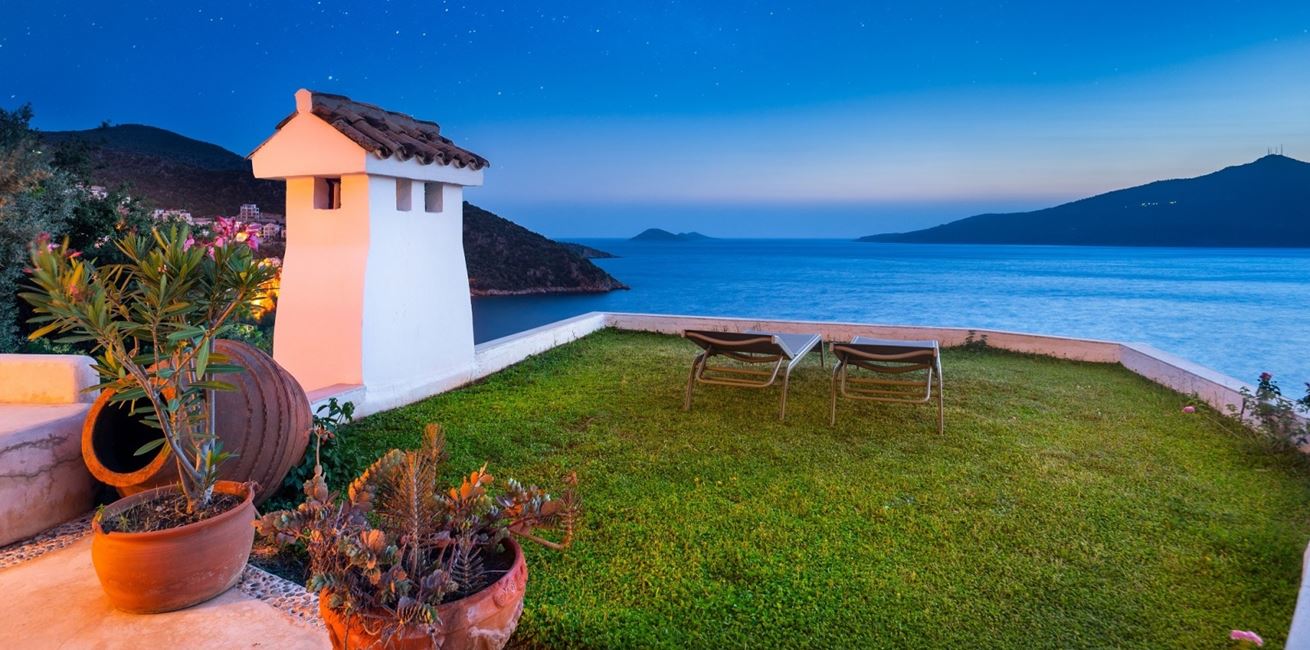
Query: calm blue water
[1239, 311]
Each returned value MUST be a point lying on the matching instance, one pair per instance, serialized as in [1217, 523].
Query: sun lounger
[782, 351]
[888, 357]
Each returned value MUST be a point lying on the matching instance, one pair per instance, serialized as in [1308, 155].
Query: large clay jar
[265, 422]
[166, 570]
[483, 621]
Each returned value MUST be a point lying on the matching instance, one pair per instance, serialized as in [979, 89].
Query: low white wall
[43, 401]
[489, 357]
[1298, 637]
[1052, 346]
[501, 353]
[47, 379]
[1214, 388]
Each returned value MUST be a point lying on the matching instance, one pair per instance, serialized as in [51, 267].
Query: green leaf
[149, 447]
[185, 333]
[43, 331]
[202, 359]
[129, 395]
[213, 385]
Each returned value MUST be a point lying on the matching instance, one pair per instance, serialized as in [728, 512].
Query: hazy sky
[755, 118]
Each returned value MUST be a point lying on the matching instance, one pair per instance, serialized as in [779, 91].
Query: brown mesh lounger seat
[783, 351]
[888, 357]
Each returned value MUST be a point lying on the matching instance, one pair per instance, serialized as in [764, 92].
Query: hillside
[170, 170]
[587, 251]
[1265, 203]
[657, 234]
[505, 258]
[173, 171]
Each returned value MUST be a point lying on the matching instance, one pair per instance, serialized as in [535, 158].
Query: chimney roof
[385, 133]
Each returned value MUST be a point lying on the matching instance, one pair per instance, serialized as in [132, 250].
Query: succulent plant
[398, 545]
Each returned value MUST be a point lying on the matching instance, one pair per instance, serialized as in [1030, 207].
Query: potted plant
[152, 321]
[401, 563]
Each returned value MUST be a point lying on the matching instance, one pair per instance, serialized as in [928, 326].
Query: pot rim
[226, 487]
[104, 474]
[519, 559]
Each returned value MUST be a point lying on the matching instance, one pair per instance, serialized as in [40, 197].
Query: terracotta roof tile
[386, 134]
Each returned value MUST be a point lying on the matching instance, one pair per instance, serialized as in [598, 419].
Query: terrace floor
[1068, 505]
[55, 601]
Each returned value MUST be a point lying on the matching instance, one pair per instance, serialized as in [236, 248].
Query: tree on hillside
[45, 192]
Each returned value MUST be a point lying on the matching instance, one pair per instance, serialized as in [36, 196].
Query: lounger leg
[786, 379]
[832, 406]
[941, 402]
[691, 381]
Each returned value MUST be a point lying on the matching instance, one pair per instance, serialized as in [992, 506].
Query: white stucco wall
[417, 315]
[318, 336]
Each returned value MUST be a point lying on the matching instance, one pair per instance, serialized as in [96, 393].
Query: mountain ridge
[1261, 204]
[172, 171]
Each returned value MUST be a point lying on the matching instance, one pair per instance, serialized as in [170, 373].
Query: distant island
[656, 234]
[1262, 204]
[174, 172]
[587, 251]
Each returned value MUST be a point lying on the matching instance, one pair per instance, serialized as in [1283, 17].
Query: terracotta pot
[265, 422]
[165, 570]
[483, 621]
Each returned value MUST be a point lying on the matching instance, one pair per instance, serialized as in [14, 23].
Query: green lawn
[1068, 505]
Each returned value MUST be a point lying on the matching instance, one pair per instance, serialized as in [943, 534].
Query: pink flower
[1244, 635]
[1189, 409]
[190, 241]
[1264, 376]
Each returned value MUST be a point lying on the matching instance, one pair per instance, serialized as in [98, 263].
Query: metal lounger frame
[742, 377]
[885, 390]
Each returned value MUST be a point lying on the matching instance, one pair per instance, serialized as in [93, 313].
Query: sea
[1238, 311]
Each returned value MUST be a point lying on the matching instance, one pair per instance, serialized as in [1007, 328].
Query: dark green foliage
[325, 450]
[1068, 505]
[33, 199]
[44, 190]
[974, 342]
[1282, 419]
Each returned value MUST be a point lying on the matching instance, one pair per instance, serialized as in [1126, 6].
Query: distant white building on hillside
[173, 216]
[374, 287]
[248, 213]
